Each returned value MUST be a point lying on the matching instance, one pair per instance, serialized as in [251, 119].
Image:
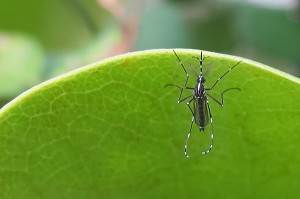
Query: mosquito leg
[187, 77]
[210, 88]
[212, 129]
[189, 88]
[222, 97]
[187, 139]
[188, 103]
[189, 134]
[179, 101]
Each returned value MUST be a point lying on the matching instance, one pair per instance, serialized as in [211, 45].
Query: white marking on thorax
[199, 86]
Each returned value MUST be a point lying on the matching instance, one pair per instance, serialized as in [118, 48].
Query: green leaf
[111, 130]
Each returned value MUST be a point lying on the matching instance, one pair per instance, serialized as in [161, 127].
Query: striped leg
[187, 77]
[223, 76]
[187, 139]
[212, 129]
[222, 96]
[189, 134]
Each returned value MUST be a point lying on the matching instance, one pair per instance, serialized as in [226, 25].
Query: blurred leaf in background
[57, 24]
[42, 39]
[20, 61]
[66, 34]
[162, 27]
[271, 34]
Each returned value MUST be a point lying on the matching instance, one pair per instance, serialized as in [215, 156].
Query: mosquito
[201, 113]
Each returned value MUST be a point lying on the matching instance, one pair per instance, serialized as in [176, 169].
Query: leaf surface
[112, 130]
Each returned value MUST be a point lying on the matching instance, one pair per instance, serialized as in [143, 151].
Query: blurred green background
[43, 39]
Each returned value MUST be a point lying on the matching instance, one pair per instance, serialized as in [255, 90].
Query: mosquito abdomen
[201, 113]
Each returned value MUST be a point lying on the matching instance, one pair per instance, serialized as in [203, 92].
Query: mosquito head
[201, 79]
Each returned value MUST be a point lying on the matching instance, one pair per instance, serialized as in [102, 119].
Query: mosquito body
[201, 113]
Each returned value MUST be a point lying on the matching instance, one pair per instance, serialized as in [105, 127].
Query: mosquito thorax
[201, 79]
